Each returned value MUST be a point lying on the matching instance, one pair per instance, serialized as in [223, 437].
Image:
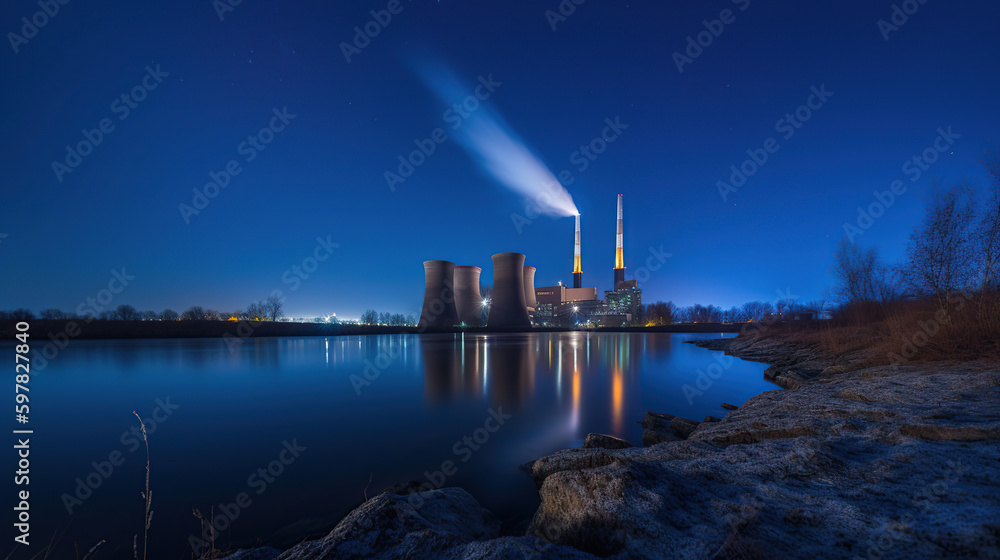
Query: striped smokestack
[619, 257]
[577, 271]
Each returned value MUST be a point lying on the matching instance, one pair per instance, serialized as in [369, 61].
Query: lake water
[285, 434]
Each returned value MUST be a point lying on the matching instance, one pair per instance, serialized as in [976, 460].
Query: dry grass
[964, 328]
[147, 497]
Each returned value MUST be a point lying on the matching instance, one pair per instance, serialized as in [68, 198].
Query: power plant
[561, 305]
[452, 294]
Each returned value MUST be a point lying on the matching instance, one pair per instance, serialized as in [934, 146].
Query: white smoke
[498, 150]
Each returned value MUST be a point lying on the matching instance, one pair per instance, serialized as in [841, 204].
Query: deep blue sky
[323, 174]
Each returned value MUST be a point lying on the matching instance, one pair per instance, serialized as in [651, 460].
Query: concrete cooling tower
[529, 286]
[508, 307]
[468, 300]
[439, 296]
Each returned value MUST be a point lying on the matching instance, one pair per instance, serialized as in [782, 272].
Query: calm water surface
[369, 411]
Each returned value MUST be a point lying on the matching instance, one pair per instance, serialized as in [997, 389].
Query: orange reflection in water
[617, 397]
[575, 415]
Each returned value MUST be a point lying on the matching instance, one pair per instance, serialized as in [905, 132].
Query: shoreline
[850, 462]
[60, 331]
[80, 329]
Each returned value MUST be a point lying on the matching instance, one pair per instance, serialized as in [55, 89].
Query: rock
[570, 459]
[711, 419]
[603, 441]
[525, 547]
[984, 432]
[420, 525]
[444, 524]
[812, 473]
[728, 406]
[683, 427]
[657, 420]
[652, 437]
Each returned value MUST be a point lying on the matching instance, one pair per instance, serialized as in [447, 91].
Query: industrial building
[452, 293]
[561, 305]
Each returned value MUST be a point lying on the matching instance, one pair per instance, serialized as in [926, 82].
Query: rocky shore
[879, 462]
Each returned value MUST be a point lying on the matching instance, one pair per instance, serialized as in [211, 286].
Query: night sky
[208, 82]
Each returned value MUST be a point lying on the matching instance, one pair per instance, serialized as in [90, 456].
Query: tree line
[665, 313]
[941, 300]
[954, 252]
[270, 309]
[372, 317]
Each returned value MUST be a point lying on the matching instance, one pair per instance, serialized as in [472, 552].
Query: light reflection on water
[417, 397]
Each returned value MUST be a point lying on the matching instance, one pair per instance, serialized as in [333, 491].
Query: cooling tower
[439, 296]
[529, 287]
[577, 271]
[508, 308]
[468, 301]
[619, 257]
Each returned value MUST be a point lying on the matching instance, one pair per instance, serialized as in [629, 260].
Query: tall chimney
[619, 258]
[577, 271]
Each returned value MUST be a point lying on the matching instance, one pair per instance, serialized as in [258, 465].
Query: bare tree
[273, 308]
[255, 312]
[660, 313]
[21, 314]
[988, 231]
[52, 313]
[193, 313]
[861, 277]
[817, 306]
[940, 251]
[126, 312]
[733, 315]
[168, 315]
[214, 315]
[756, 310]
